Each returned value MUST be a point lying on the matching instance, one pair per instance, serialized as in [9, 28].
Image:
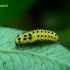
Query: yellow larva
[36, 35]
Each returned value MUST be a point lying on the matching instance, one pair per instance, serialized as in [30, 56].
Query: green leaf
[44, 56]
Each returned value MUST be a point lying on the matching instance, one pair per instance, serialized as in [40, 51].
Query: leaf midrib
[32, 53]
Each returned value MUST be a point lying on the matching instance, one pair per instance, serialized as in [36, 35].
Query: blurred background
[38, 14]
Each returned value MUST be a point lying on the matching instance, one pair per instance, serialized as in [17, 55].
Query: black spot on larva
[24, 38]
[45, 31]
[38, 35]
[41, 31]
[52, 32]
[54, 37]
[48, 36]
[41, 35]
[58, 39]
[38, 40]
[45, 35]
[41, 39]
[33, 41]
[30, 37]
[48, 40]
[45, 40]
[19, 38]
[25, 35]
[27, 42]
[48, 31]
[37, 31]
[55, 34]
[18, 41]
[33, 32]
[51, 37]
[29, 34]
[58, 36]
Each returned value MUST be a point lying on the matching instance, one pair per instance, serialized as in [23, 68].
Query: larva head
[19, 40]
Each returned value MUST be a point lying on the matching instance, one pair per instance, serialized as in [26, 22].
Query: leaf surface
[48, 56]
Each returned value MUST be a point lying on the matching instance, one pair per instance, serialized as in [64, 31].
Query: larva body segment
[36, 35]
